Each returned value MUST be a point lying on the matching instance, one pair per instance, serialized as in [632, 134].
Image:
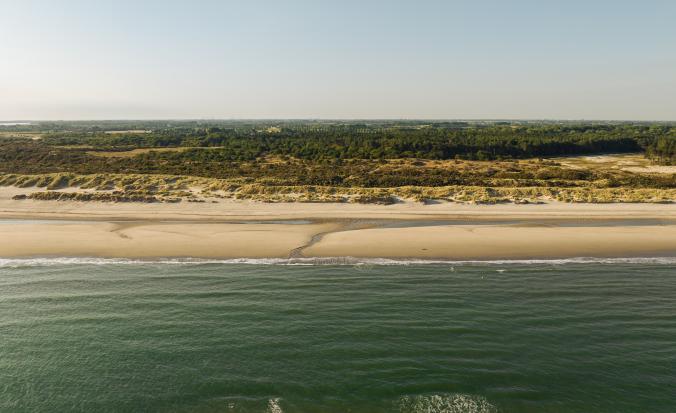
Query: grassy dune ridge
[171, 188]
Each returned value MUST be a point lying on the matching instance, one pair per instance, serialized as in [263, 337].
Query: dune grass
[170, 188]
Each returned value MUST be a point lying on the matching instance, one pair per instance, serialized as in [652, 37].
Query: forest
[339, 153]
[379, 141]
[662, 150]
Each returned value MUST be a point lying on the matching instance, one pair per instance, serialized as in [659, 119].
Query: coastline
[247, 229]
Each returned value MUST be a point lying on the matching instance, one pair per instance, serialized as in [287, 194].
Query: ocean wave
[445, 403]
[351, 261]
[273, 406]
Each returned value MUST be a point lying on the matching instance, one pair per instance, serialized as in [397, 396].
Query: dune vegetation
[377, 162]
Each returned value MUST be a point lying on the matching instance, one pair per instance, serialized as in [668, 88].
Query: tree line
[663, 150]
[357, 141]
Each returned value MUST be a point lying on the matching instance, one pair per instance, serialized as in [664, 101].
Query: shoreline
[233, 229]
[250, 230]
[326, 261]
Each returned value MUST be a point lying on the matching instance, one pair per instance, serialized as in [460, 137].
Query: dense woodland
[663, 149]
[364, 141]
[322, 152]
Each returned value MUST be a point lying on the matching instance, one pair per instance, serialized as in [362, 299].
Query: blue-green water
[223, 337]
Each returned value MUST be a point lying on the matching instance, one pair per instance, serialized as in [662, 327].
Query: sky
[417, 59]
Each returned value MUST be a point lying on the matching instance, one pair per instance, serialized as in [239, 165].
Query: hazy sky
[563, 59]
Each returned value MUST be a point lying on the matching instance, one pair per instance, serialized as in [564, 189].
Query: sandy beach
[243, 229]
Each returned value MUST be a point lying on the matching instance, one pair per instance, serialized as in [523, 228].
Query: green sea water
[90, 336]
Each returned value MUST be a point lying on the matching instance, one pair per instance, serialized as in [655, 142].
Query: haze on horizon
[348, 59]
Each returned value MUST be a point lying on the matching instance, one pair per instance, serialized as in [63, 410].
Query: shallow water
[176, 336]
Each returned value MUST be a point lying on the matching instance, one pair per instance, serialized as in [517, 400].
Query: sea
[337, 335]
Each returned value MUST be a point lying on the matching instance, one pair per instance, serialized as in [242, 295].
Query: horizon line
[343, 119]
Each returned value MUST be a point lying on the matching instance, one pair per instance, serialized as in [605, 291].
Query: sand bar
[151, 240]
[479, 242]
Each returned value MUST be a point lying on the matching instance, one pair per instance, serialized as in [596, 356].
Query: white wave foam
[445, 403]
[273, 406]
[357, 262]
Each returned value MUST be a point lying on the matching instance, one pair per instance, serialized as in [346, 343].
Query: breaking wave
[51, 261]
[445, 403]
[273, 406]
